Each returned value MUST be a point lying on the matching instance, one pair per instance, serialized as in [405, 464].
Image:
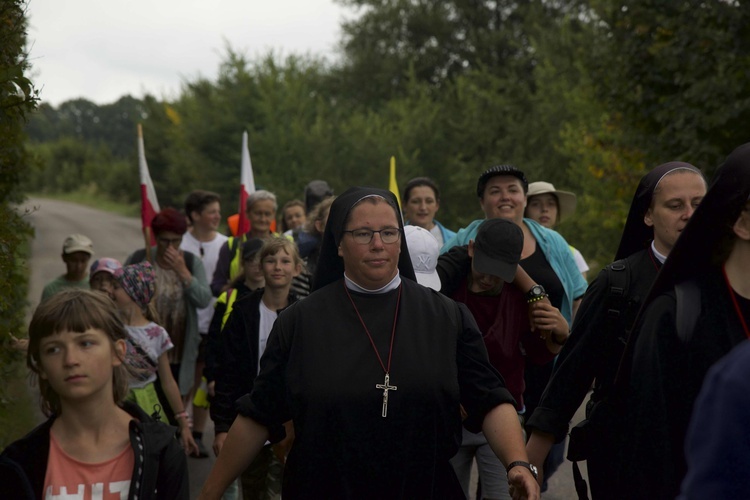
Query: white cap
[424, 250]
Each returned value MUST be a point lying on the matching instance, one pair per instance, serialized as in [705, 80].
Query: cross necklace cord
[386, 385]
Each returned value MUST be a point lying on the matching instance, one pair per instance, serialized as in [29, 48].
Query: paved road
[117, 236]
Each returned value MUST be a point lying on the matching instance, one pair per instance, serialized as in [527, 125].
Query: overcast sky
[104, 49]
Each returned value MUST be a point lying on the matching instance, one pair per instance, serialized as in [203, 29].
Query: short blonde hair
[272, 246]
[75, 310]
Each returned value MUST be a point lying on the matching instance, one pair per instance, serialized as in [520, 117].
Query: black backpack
[599, 434]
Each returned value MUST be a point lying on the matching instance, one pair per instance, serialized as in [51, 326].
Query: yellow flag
[392, 186]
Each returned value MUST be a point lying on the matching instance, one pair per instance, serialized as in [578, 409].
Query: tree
[17, 98]
[677, 71]
[436, 40]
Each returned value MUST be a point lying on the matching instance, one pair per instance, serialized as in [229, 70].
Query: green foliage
[677, 72]
[17, 98]
[586, 94]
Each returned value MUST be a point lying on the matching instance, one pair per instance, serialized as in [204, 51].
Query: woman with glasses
[372, 368]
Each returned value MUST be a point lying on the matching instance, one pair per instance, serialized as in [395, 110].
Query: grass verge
[92, 199]
[17, 406]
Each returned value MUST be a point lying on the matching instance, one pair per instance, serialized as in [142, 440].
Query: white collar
[661, 258]
[392, 285]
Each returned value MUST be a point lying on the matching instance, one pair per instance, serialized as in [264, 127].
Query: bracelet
[536, 299]
[181, 414]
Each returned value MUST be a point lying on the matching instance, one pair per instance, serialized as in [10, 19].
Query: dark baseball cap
[500, 170]
[497, 248]
[251, 247]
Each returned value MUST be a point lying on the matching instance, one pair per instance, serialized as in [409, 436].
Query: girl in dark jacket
[90, 444]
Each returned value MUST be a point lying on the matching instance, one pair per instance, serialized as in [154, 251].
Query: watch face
[536, 290]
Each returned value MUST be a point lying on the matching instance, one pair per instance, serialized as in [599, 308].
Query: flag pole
[147, 241]
[149, 203]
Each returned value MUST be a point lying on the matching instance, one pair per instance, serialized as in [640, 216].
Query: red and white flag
[149, 203]
[247, 186]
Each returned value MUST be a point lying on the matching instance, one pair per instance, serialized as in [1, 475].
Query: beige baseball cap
[78, 243]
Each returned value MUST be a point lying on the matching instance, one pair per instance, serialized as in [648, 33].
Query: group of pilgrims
[364, 350]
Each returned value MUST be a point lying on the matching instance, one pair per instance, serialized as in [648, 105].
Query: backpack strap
[582, 489]
[688, 308]
[189, 260]
[618, 278]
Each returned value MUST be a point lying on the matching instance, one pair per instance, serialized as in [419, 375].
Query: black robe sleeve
[659, 402]
[577, 365]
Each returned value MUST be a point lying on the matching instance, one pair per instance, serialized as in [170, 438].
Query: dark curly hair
[171, 220]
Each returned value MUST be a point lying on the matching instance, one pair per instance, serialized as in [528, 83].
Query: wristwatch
[520, 463]
[536, 293]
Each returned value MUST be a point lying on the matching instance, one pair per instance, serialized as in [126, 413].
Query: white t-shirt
[208, 252]
[267, 318]
[580, 262]
[438, 234]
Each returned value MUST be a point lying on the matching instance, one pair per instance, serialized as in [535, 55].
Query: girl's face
[422, 206]
[279, 269]
[120, 296]
[78, 366]
[543, 209]
[103, 282]
[294, 217]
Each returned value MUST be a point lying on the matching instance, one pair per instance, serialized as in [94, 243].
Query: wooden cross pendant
[386, 386]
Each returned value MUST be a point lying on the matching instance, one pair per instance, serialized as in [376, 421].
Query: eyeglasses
[170, 241]
[364, 236]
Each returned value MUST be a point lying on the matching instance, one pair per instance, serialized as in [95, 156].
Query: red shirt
[504, 322]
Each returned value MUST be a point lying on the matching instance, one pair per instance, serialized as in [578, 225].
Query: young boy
[243, 341]
[203, 208]
[76, 253]
[487, 268]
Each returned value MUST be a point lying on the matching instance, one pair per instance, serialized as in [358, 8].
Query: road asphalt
[117, 236]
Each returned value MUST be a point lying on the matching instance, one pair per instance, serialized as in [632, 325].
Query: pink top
[69, 478]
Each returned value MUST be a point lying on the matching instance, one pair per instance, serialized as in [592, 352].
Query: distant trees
[585, 94]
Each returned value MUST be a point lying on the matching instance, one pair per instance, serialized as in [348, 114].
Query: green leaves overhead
[585, 94]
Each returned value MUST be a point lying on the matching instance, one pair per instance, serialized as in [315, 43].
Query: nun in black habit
[372, 368]
[678, 339]
[597, 340]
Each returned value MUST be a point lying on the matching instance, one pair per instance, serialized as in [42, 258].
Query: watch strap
[521, 463]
